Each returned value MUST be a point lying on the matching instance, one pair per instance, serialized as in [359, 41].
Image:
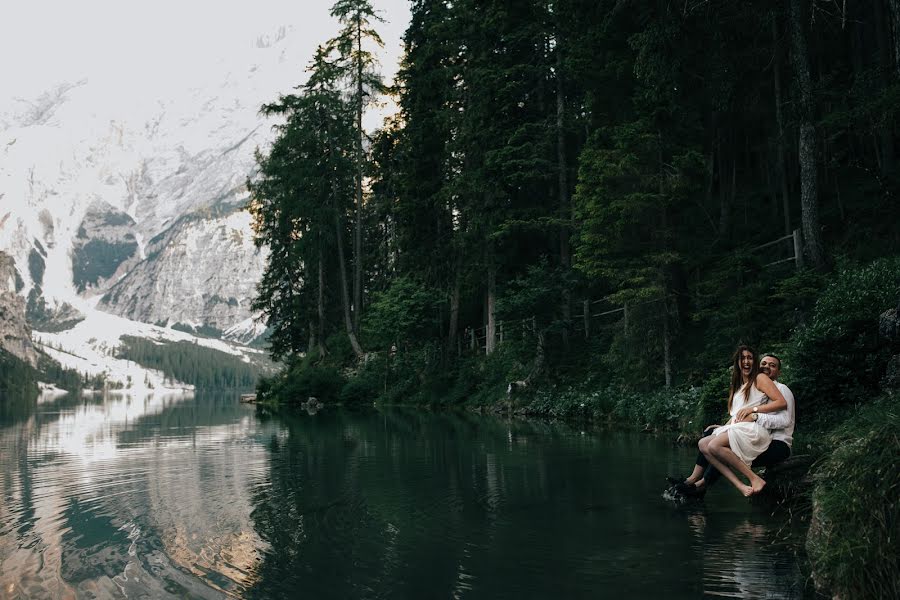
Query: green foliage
[98, 259]
[405, 311]
[191, 363]
[852, 543]
[837, 358]
[18, 381]
[362, 389]
[712, 400]
[300, 381]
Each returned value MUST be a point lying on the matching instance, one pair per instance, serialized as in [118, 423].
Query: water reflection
[197, 496]
[120, 494]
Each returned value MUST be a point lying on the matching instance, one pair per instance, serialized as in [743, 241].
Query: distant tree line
[191, 363]
[549, 152]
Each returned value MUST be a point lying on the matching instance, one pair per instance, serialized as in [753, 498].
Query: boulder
[889, 325]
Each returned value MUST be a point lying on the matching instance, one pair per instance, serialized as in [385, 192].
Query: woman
[733, 446]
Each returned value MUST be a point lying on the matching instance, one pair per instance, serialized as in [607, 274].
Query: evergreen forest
[191, 363]
[581, 208]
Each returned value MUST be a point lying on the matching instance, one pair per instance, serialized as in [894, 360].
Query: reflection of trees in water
[406, 503]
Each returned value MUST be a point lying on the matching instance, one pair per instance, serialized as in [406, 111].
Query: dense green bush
[367, 384]
[711, 404]
[407, 310]
[838, 358]
[300, 381]
[852, 543]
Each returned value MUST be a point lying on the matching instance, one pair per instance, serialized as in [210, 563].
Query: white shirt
[780, 423]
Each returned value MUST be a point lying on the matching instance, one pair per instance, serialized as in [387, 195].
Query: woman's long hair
[737, 381]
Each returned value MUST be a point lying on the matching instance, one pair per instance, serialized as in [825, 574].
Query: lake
[198, 496]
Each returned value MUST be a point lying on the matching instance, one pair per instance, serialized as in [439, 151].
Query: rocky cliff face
[126, 202]
[104, 248]
[200, 275]
[15, 335]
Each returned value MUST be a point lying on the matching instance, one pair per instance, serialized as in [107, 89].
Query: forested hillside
[191, 363]
[550, 159]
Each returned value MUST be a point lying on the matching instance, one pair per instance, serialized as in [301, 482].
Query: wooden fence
[474, 340]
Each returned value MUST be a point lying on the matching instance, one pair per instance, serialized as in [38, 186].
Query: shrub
[359, 390]
[838, 358]
[852, 543]
[301, 380]
[407, 310]
[712, 400]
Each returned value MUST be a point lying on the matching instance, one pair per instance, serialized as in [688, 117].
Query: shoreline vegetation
[579, 211]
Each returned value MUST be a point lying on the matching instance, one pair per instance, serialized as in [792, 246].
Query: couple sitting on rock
[759, 433]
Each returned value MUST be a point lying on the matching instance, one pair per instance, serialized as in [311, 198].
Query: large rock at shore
[889, 325]
[889, 329]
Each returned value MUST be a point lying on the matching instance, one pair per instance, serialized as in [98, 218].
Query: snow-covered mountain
[135, 206]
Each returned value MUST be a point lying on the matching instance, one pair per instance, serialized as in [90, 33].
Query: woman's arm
[776, 398]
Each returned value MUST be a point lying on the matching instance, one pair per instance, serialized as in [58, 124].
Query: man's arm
[773, 421]
[782, 418]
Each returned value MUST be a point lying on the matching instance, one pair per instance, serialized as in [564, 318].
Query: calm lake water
[199, 497]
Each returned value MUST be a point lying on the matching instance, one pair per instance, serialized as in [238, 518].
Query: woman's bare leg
[707, 450]
[721, 449]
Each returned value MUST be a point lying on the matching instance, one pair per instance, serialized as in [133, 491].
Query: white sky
[159, 47]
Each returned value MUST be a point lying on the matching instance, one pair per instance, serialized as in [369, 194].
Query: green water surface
[198, 496]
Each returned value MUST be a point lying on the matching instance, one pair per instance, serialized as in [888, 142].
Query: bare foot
[757, 484]
[746, 490]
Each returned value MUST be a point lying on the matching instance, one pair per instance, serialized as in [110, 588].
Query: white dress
[746, 439]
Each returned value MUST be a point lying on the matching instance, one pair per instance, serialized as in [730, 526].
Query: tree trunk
[320, 301]
[342, 261]
[894, 6]
[454, 313]
[490, 342]
[667, 345]
[345, 293]
[357, 238]
[780, 168]
[565, 209]
[884, 131]
[313, 342]
[724, 201]
[809, 196]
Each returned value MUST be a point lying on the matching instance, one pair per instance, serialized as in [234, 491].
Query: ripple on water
[199, 499]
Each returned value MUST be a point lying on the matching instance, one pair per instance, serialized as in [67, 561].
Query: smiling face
[771, 366]
[746, 363]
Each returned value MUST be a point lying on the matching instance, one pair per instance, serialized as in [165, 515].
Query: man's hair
[770, 355]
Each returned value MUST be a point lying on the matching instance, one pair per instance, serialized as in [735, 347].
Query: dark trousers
[777, 452]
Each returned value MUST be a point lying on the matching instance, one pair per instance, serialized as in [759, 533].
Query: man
[780, 423]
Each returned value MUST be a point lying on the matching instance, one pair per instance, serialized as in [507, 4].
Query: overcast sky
[165, 46]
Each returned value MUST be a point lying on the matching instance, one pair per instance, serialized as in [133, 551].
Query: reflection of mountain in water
[116, 491]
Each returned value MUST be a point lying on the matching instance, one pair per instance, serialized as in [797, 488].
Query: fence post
[587, 318]
[798, 250]
[501, 332]
[473, 338]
